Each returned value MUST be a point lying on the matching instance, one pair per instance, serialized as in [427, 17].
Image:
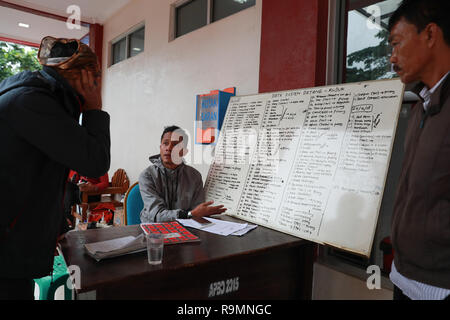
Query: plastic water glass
[155, 247]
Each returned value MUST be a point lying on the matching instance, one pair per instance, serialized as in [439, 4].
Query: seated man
[171, 189]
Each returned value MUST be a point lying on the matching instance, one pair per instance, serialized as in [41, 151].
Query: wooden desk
[263, 264]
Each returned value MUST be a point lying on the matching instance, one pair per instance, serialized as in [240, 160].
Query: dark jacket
[167, 193]
[421, 219]
[40, 139]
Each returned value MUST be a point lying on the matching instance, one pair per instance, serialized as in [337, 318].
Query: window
[359, 51]
[128, 45]
[225, 8]
[367, 40]
[136, 40]
[189, 15]
[119, 49]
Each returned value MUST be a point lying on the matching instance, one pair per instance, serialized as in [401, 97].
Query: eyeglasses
[54, 52]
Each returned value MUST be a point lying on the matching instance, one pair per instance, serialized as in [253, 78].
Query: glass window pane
[136, 41]
[85, 39]
[225, 8]
[119, 51]
[368, 54]
[367, 41]
[191, 16]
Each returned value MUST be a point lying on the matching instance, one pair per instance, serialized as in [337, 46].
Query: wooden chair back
[120, 180]
[119, 185]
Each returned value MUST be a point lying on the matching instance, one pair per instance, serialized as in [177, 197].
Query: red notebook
[168, 228]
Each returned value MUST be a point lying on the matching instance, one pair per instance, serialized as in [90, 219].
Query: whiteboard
[311, 163]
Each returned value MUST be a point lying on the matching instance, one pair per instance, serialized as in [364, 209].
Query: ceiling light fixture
[24, 25]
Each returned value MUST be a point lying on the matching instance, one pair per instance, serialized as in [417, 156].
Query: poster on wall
[310, 162]
[210, 113]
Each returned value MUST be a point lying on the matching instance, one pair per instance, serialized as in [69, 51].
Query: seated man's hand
[205, 209]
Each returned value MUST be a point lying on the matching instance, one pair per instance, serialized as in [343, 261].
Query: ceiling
[92, 11]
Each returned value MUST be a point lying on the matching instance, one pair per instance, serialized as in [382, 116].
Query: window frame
[342, 261]
[337, 38]
[129, 48]
[125, 36]
[112, 50]
[173, 17]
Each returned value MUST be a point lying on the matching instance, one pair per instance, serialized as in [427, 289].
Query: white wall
[159, 86]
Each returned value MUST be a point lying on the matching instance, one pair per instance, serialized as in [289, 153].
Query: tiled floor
[330, 284]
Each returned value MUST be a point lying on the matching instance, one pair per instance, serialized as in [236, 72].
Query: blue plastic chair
[47, 287]
[133, 205]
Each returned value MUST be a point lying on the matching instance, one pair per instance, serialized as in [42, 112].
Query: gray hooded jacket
[168, 194]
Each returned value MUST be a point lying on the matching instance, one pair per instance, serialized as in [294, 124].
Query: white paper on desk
[224, 228]
[116, 247]
[245, 230]
[109, 245]
[193, 224]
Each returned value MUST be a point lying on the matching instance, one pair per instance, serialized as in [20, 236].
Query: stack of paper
[116, 247]
[224, 228]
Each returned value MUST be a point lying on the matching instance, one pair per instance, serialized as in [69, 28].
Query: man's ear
[431, 32]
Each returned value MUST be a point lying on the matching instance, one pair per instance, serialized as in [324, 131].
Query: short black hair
[423, 12]
[178, 130]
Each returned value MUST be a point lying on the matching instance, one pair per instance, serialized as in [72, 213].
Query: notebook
[178, 233]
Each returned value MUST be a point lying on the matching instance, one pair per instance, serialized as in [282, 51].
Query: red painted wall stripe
[96, 40]
[293, 44]
[25, 43]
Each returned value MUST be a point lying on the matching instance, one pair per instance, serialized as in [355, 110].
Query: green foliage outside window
[15, 58]
[371, 63]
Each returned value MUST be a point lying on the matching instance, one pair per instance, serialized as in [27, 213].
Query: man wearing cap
[41, 139]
